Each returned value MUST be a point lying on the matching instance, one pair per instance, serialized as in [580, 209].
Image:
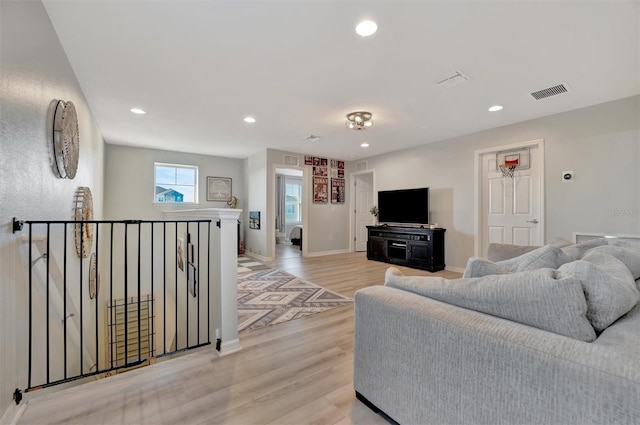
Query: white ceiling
[199, 67]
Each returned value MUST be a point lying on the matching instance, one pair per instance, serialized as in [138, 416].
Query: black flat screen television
[409, 206]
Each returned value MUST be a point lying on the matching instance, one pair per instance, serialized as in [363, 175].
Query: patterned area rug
[246, 264]
[273, 296]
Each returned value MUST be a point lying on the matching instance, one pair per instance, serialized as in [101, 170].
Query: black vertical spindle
[47, 307]
[197, 284]
[164, 290]
[153, 317]
[126, 295]
[96, 296]
[64, 298]
[30, 300]
[139, 293]
[112, 328]
[81, 303]
[176, 287]
[187, 285]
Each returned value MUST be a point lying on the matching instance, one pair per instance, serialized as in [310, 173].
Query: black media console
[407, 246]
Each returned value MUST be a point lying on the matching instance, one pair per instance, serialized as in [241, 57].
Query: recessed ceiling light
[366, 28]
[495, 108]
[137, 111]
[364, 145]
[249, 120]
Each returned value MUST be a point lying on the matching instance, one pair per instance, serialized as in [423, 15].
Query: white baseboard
[323, 253]
[229, 347]
[13, 414]
[454, 269]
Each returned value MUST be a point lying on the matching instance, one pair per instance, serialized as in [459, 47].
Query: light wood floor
[298, 372]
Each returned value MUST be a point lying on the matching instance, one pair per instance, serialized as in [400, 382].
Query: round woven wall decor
[83, 211]
[94, 278]
[66, 141]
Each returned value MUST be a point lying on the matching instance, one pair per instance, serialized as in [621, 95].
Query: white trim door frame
[306, 183]
[478, 188]
[353, 231]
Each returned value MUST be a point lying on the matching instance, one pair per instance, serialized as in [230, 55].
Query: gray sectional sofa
[551, 336]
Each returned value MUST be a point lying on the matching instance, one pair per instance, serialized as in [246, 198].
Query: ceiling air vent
[452, 79]
[291, 160]
[361, 165]
[550, 91]
[312, 138]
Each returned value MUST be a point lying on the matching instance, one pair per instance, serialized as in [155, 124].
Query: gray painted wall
[129, 180]
[34, 70]
[601, 144]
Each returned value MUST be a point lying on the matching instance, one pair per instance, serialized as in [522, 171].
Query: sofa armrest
[424, 361]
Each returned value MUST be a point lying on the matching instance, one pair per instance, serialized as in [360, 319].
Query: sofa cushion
[609, 288]
[577, 251]
[536, 298]
[503, 251]
[478, 267]
[626, 253]
[547, 256]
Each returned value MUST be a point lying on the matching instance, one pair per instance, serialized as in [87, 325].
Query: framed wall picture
[218, 188]
[320, 190]
[254, 220]
[337, 191]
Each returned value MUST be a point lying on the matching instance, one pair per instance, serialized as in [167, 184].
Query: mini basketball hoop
[507, 163]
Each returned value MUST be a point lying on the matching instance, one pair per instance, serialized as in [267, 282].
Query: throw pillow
[608, 286]
[626, 253]
[547, 256]
[478, 267]
[535, 298]
[577, 251]
[503, 251]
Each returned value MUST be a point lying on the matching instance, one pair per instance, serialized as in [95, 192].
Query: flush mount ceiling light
[364, 145]
[366, 28]
[137, 111]
[249, 120]
[360, 120]
[495, 108]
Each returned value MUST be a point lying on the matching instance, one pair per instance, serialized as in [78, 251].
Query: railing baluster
[197, 283]
[209, 282]
[175, 293]
[64, 298]
[186, 263]
[47, 307]
[153, 316]
[126, 295]
[81, 300]
[112, 327]
[139, 292]
[164, 290]
[30, 301]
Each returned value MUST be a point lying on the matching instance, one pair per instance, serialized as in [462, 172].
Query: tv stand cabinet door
[376, 248]
[420, 253]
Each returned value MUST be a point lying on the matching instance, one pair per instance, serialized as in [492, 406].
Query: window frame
[183, 166]
[294, 181]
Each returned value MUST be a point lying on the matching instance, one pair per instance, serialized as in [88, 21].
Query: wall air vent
[361, 165]
[312, 138]
[550, 91]
[452, 79]
[291, 160]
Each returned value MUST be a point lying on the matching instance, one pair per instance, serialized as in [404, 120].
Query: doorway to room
[289, 230]
[510, 207]
[363, 200]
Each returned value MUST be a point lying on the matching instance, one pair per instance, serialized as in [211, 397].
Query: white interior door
[364, 201]
[512, 207]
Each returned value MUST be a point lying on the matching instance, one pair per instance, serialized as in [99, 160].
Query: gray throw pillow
[577, 251]
[608, 286]
[547, 256]
[478, 267]
[503, 251]
[535, 298]
[629, 255]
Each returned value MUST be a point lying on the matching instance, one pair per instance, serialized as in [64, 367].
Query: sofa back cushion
[536, 298]
[608, 285]
[503, 251]
[547, 256]
[577, 251]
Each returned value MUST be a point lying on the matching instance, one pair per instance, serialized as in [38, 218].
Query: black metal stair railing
[156, 301]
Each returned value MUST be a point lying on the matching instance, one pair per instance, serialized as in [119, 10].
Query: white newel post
[224, 272]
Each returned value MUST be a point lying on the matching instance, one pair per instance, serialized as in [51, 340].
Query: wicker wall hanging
[66, 142]
[83, 211]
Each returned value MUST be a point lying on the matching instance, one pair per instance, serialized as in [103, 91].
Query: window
[175, 184]
[293, 200]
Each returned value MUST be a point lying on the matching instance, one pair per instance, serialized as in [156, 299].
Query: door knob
[534, 221]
